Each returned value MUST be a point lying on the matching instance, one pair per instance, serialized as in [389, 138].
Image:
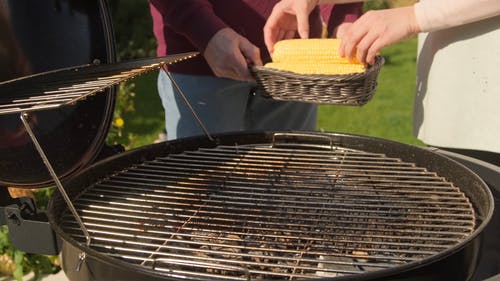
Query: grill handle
[303, 140]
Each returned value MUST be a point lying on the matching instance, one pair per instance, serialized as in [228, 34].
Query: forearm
[439, 14]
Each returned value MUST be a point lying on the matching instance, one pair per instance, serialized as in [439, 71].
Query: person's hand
[287, 17]
[228, 55]
[376, 29]
[341, 29]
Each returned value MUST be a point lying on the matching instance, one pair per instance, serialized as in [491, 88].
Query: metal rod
[24, 118]
[188, 105]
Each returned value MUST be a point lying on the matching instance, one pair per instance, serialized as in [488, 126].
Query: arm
[225, 51]
[435, 15]
[377, 29]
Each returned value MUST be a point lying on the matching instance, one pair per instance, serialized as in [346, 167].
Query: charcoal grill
[251, 205]
[291, 206]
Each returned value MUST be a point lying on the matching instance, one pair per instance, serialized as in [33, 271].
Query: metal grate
[66, 86]
[268, 212]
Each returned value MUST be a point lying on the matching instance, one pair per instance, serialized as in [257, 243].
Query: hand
[339, 31]
[287, 17]
[376, 29]
[228, 55]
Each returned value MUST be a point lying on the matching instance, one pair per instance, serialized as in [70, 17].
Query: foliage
[385, 4]
[133, 29]
[134, 39]
[376, 5]
[124, 104]
[18, 263]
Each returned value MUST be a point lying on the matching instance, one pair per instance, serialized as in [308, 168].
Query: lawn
[387, 115]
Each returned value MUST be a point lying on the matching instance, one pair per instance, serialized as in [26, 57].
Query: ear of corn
[312, 56]
[322, 68]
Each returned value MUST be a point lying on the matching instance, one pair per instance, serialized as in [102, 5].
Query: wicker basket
[348, 89]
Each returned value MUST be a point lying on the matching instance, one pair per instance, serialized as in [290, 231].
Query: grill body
[455, 262]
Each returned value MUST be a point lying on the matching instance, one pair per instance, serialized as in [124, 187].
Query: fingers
[358, 39]
[250, 52]
[303, 23]
[289, 34]
[287, 17]
[365, 47]
[247, 53]
[374, 51]
[272, 30]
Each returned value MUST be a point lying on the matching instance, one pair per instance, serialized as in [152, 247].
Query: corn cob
[318, 68]
[312, 56]
[309, 51]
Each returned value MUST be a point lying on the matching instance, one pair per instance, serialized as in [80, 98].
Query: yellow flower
[119, 122]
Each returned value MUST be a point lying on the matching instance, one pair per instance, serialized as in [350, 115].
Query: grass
[143, 125]
[388, 115]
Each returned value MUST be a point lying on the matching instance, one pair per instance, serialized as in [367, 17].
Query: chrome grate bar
[61, 87]
[264, 212]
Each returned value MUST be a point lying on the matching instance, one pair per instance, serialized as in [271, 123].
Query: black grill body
[455, 263]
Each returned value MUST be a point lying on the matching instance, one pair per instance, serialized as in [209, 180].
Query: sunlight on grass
[389, 113]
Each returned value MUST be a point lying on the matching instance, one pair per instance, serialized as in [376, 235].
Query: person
[218, 83]
[457, 86]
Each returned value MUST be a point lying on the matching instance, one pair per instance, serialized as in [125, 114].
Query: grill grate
[66, 86]
[272, 212]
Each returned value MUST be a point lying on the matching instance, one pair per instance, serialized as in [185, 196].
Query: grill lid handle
[304, 139]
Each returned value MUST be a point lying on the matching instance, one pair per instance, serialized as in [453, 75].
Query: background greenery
[139, 117]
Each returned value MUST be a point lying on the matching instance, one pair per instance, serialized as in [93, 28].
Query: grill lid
[67, 87]
[67, 33]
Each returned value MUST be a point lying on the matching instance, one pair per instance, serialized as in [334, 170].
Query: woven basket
[346, 89]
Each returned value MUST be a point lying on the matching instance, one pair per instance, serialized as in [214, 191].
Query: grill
[62, 87]
[272, 211]
[236, 206]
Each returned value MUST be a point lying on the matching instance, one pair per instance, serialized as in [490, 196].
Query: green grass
[388, 115]
[143, 125]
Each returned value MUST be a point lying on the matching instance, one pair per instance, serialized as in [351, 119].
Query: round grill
[264, 211]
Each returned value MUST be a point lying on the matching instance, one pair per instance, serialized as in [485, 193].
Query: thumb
[251, 52]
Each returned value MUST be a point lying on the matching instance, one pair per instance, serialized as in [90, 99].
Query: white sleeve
[439, 14]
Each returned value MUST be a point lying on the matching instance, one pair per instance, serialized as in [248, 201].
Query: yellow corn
[318, 68]
[312, 56]
[308, 50]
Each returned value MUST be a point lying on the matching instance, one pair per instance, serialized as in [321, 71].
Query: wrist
[414, 27]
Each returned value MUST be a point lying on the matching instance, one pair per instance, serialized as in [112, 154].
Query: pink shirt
[187, 25]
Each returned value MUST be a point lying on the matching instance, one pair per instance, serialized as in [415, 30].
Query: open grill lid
[61, 88]
[36, 37]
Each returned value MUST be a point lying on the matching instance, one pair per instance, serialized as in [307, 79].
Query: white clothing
[457, 102]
